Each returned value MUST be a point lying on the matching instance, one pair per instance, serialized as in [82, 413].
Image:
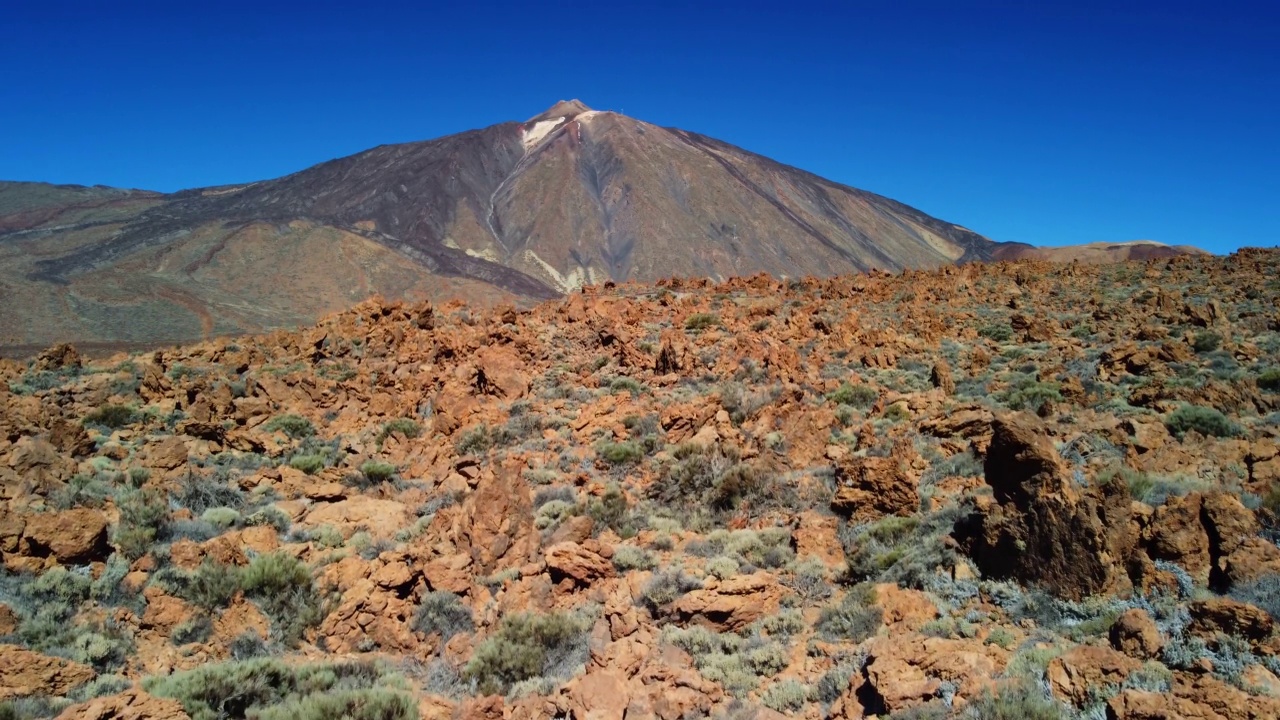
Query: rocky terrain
[516, 213]
[1015, 490]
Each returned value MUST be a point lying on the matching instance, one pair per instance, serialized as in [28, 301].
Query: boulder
[731, 604]
[24, 673]
[871, 487]
[69, 537]
[1074, 673]
[903, 671]
[132, 704]
[580, 564]
[1135, 634]
[1230, 617]
[1039, 527]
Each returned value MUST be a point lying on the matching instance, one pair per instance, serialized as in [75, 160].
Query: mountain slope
[512, 212]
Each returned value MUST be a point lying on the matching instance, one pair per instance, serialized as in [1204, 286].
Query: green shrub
[630, 385]
[664, 587]
[630, 557]
[270, 515]
[265, 687]
[1270, 379]
[1206, 341]
[309, 464]
[785, 696]
[282, 586]
[1204, 420]
[112, 417]
[610, 510]
[1016, 702]
[527, 646]
[554, 512]
[222, 518]
[621, 453]
[858, 396]
[854, 619]
[999, 332]
[377, 472]
[404, 426]
[734, 661]
[373, 704]
[195, 629]
[444, 613]
[476, 440]
[295, 426]
[701, 321]
[201, 493]
[1032, 395]
[144, 517]
[212, 585]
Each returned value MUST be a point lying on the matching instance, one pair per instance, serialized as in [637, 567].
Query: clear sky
[1040, 122]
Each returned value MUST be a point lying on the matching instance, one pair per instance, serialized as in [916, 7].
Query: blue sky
[1048, 123]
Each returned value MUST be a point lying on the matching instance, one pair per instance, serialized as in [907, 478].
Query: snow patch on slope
[539, 131]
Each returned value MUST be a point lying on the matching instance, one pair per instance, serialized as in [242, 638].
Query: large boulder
[69, 537]
[731, 604]
[132, 704]
[1038, 527]
[24, 673]
[871, 487]
[1135, 634]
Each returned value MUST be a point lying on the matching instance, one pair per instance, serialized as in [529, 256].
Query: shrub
[1032, 396]
[854, 619]
[222, 518]
[196, 629]
[630, 557]
[404, 426]
[112, 417]
[999, 332]
[630, 385]
[199, 494]
[785, 695]
[282, 586]
[309, 464]
[835, 681]
[1204, 420]
[212, 585]
[476, 440]
[270, 515]
[247, 645]
[722, 567]
[734, 661]
[265, 687]
[1015, 702]
[444, 613]
[664, 587]
[377, 472]
[144, 517]
[858, 396]
[373, 704]
[1270, 379]
[295, 426]
[1206, 341]
[610, 510]
[1001, 638]
[527, 646]
[621, 453]
[1263, 592]
[553, 513]
[83, 491]
[701, 321]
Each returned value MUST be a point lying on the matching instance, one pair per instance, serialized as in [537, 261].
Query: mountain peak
[562, 109]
